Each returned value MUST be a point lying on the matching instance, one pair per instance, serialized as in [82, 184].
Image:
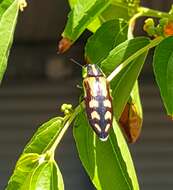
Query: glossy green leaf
[123, 83]
[104, 154]
[39, 178]
[122, 87]
[8, 18]
[109, 35]
[115, 12]
[122, 52]
[4, 5]
[120, 9]
[94, 25]
[57, 178]
[23, 169]
[34, 168]
[81, 15]
[108, 164]
[45, 176]
[33, 173]
[126, 2]
[72, 3]
[131, 4]
[163, 70]
[45, 136]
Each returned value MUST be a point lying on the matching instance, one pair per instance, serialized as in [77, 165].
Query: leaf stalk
[118, 69]
[66, 126]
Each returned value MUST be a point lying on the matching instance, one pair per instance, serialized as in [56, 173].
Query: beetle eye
[84, 72]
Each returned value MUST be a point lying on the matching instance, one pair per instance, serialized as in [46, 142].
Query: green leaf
[120, 9]
[101, 159]
[24, 167]
[33, 172]
[131, 4]
[35, 167]
[81, 15]
[113, 56]
[126, 2]
[123, 83]
[109, 35]
[115, 12]
[8, 18]
[45, 136]
[108, 164]
[45, 176]
[163, 70]
[39, 178]
[57, 178]
[72, 3]
[122, 52]
[112, 155]
[4, 5]
[94, 25]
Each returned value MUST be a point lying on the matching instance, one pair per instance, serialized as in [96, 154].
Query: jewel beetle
[98, 100]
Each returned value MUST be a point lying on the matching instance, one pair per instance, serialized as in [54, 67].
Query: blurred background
[38, 81]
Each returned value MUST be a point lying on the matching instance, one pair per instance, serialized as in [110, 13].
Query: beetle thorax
[93, 70]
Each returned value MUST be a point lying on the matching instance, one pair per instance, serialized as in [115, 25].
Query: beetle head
[91, 70]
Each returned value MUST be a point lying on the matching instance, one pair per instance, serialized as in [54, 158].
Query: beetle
[98, 100]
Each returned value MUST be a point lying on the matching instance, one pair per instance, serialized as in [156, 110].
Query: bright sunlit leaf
[8, 18]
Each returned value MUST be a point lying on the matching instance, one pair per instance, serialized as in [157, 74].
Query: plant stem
[153, 13]
[64, 129]
[144, 11]
[132, 25]
[152, 44]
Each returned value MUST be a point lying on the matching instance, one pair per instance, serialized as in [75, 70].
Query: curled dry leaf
[64, 45]
[130, 123]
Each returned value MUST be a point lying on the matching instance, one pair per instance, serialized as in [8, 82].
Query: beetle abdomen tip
[104, 139]
[103, 136]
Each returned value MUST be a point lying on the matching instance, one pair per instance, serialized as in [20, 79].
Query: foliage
[8, 18]
[36, 167]
[121, 57]
[163, 64]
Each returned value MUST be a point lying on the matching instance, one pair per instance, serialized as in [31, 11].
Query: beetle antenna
[74, 61]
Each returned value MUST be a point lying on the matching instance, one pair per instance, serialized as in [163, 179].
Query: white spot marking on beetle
[107, 127]
[107, 103]
[93, 104]
[103, 86]
[95, 115]
[97, 87]
[97, 127]
[93, 86]
[108, 115]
